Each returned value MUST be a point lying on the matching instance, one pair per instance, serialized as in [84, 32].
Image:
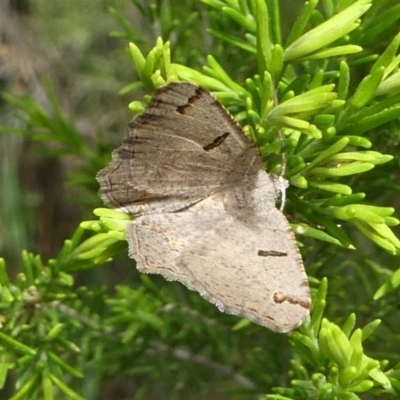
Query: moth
[204, 209]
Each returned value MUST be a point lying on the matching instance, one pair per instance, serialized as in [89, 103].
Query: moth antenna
[281, 186]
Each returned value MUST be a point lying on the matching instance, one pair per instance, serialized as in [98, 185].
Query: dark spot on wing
[281, 298]
[184, 109]
[125, 154]
[216, 142]
[271, 253]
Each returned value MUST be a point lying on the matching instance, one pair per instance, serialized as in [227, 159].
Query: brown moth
[205, 209]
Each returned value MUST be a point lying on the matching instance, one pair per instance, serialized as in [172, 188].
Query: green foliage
[323, 98]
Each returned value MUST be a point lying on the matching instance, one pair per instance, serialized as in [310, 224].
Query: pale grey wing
[245, 267]
[182, 149]
[157, 241]
[251, 267]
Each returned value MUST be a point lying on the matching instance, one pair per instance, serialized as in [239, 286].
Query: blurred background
[64, 71]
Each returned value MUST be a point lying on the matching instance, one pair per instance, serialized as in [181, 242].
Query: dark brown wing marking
[216, 142]
[271, 253]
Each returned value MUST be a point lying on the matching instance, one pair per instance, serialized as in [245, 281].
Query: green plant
[316, 101]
